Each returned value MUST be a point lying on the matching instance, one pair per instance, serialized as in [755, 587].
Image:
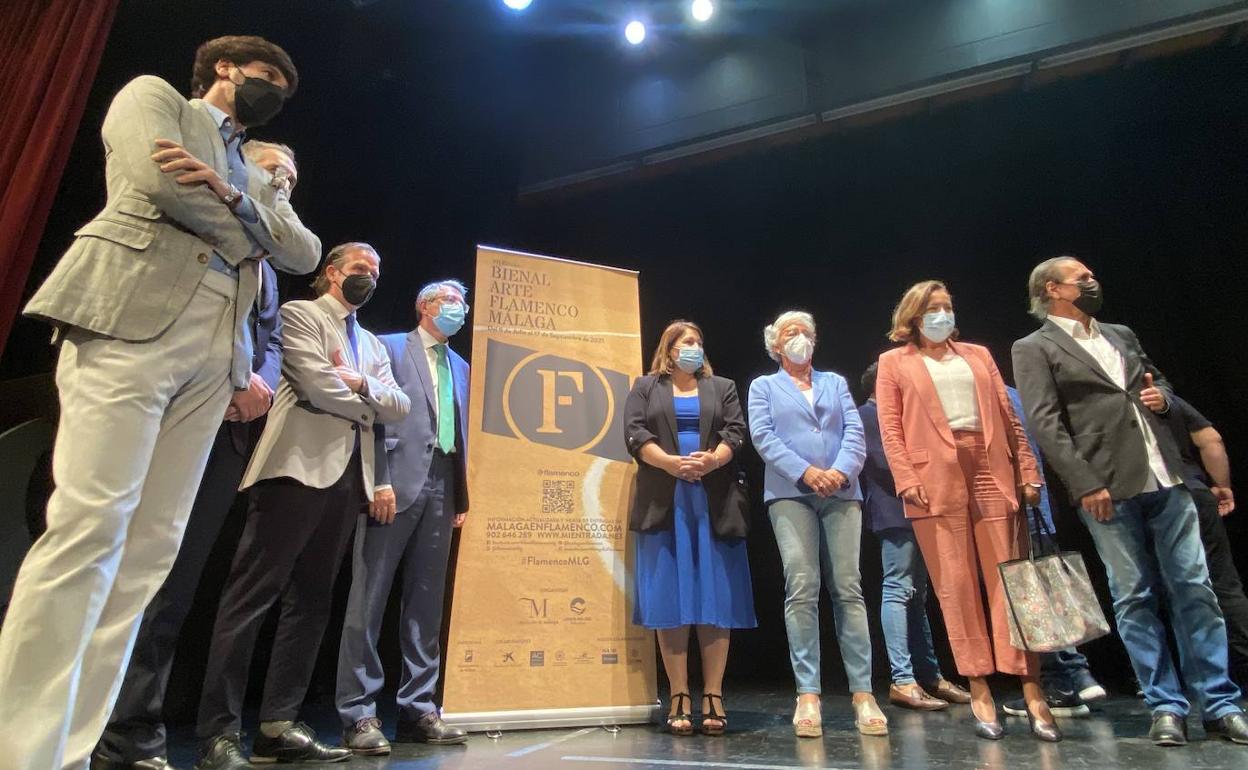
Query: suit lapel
[663, 397]
[922, 379]
[1067, 343]
[707, 405]
[416, 352]
[1131, 366]
[219, 161]
[788, 386]
[332, 309]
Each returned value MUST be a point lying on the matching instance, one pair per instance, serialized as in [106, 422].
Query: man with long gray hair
[1093, 397]
[422, 493]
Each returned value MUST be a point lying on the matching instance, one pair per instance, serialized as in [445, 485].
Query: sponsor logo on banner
[560, 402]
[537, 657]
[577, 606]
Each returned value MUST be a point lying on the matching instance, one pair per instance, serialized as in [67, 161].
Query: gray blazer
[133, 268]
[316, 419]
[1086, 426]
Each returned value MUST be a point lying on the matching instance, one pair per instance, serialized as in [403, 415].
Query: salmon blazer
[920, 445]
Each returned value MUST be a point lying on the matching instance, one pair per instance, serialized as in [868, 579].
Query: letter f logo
[551, 401]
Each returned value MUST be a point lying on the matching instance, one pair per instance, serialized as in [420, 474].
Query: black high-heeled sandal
[681, 715]
[712, 715]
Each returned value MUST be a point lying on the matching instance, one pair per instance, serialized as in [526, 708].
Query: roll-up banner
[541, 632]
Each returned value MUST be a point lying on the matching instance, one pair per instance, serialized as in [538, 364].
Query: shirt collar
[335, 307]
[427, 340]
[1075, 329]
[223, 121]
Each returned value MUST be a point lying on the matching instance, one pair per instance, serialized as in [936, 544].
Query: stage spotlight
[702, 10]
[517, 5]
[635, 32]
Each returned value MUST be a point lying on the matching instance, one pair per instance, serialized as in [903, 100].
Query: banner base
[537, 719]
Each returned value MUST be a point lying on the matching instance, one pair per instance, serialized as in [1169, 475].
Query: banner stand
[541, 631]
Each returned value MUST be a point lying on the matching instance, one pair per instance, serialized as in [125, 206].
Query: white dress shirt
[1112, 363]
[955, 385]
[431, 357]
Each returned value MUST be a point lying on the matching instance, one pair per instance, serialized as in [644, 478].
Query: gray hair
[771, 333]
[430, 291]
[1037, 285]
[336, 257]
[253, 147]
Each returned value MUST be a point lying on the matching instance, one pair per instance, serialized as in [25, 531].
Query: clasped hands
[691, 467]
[825, 482]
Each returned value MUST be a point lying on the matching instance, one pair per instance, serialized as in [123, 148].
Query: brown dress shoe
[949, 692]
[911, 696]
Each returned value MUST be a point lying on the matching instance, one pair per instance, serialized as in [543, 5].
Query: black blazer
[650, 415]
[1086, 426]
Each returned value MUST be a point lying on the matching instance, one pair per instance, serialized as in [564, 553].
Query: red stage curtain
[49, 52]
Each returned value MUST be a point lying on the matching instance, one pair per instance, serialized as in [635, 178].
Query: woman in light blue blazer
[806, 427]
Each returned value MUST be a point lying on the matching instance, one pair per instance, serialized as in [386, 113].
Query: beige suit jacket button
[203, 259]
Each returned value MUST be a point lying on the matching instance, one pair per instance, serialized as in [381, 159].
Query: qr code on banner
[557, 496]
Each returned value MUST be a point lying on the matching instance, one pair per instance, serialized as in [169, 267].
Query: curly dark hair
[239, 49]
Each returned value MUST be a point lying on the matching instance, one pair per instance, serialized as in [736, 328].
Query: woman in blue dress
[690, 517]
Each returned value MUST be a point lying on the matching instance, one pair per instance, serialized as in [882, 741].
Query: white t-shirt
[955, 385]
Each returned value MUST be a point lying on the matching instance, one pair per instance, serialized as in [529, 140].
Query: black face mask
[257, 101]
[1090, 298]
[358, 289]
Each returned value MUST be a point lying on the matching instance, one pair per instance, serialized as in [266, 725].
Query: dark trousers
[294, 540]
[417, 543]
[1226, 582]
[136, 730]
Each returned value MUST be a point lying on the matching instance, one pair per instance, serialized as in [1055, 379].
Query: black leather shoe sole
[343, 756]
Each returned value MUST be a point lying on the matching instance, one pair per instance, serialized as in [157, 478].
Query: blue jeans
[811, 531]
[903, 609]
[1065, 671]
[1152, 543]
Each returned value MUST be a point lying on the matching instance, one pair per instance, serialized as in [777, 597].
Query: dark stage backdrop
[1140, 172]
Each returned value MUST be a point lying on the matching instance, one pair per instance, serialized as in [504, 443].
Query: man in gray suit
[311, 473]
[150, 305]
[421, 495]
[1092, 397]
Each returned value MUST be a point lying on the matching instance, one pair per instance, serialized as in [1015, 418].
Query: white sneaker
[1093, 693]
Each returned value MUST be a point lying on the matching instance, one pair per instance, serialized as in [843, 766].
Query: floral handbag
[1052, 605]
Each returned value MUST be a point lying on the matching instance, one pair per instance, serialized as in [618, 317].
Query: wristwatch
[232, 197]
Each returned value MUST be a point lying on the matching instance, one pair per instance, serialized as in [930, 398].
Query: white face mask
[799, 349]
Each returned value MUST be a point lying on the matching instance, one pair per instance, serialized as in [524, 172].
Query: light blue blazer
[791, 436]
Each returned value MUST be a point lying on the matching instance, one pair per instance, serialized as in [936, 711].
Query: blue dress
[685, 575]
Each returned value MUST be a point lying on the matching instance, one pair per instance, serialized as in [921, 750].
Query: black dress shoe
[101, 762]
[429, 729]
[296, 744]
[224, 752]
[1168, 730]
[1232, 727]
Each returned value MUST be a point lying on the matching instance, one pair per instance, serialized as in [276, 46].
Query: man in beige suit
[310, 475]
[150, 305]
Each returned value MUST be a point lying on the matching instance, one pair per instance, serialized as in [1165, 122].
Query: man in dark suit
[1207, 473]
[135, 735]
[903, 599]
[421, 495]
[1092, 398]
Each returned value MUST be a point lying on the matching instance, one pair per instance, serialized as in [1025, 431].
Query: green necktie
[446, 403]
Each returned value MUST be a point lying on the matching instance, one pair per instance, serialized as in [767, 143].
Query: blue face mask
[938, 325]
[450, 318]
[690, 359]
